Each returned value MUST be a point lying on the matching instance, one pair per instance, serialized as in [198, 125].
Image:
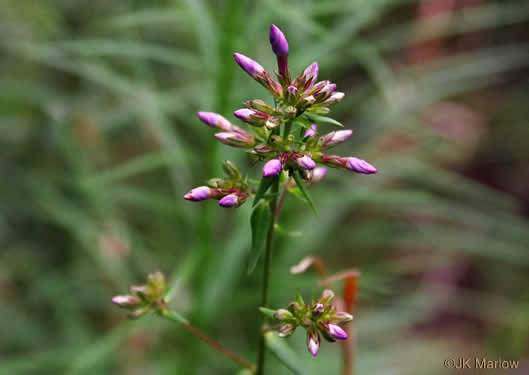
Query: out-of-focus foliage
[99, 141]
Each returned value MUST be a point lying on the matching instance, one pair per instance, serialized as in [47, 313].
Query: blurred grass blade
[268, 312]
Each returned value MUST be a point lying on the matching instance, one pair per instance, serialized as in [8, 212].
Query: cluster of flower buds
[231, 191]
[319, 319]
[282, 135]
[144, 298]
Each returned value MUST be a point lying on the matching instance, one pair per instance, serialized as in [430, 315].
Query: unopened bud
[252, 117]
[317, 174]
[231, 170]
[229, 201]
[260, 105]
[236, 139]
[341, 317]
[216, 121]
[360, 166]
[286, 329]
[313, 342]
[306, 162]
[326, 297]
[283, 314]
[334, 138]
[126, 302]
[198, 194]
[248, 65]
[272, 168]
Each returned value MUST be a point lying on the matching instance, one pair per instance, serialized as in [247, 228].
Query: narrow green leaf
[268, 312]
[265, 183]
[175, 317]
[305, 191]
[322, 119]
[284, 354]
[299, 298]
[260, 222]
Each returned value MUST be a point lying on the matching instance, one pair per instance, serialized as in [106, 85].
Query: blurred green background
[99, 141]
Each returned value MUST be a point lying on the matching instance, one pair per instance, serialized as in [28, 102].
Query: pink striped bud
[334, 98]
[334, 138]
[254, 118]
[291, 94]
[326, 297]
[360, 166]
[313, 342]
[198, 194]
[307, 79]
[306, 162]
[336, 331]
[272, 168]
[341, 317]
[283, 314]
[126, 302]
[286, 330]
[246, 140]
[259, 105]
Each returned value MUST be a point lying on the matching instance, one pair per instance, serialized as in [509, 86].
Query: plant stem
[266, 275]
[234, 357]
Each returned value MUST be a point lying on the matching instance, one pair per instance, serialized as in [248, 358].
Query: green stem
[266, 275]
[169, 315]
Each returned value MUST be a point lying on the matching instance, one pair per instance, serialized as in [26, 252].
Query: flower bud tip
[272, 168]
[198, 194]
[278, 41]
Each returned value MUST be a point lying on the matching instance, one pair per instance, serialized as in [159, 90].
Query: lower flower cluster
[319, 319]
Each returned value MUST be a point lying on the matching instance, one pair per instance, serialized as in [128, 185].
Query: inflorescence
[318, 318]
[281, 135]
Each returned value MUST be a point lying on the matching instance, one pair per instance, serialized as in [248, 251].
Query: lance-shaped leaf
[265, 183]
[285, 354]
[305, 191]
[260, 223]
[267, 312]
[322, 119]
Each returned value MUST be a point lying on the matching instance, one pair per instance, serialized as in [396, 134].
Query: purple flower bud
[313, 342]
[236, 139]
[248, 65]
[326, 297]
[317, 175]
[318, 308]
[336, 331]
[230, 200]
[125, 302]
[306, 80]
[325, 92]
[334, 98]
[360, 166]
[216, 121]
[286, 330]
[283, 314]
[198, 194]
[272, 168]
[292, 94]
[278, 41]
[252, 117]
[342, 317]
[263, 150]
[306, 162]
[334, 138]
[311, 132]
